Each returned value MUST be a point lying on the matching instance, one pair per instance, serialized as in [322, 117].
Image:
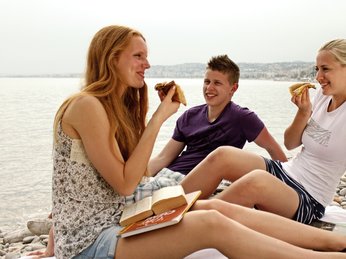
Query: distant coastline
[279, 71]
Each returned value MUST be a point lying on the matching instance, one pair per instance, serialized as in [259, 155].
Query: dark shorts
[308, 209]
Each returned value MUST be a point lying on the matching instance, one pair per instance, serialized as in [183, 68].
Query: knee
[256, 180]
[211, 218]
[219, 206]
[220, 155]
[211, 204]
[208, 225]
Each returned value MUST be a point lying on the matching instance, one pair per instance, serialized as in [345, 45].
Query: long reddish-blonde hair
[126, 113]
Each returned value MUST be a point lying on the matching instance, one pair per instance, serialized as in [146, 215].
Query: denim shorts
[308, 209]
[104, 246]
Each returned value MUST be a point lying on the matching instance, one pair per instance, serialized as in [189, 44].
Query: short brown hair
[224, 64]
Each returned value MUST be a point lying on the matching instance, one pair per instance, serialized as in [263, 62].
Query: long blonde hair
[338, 48]
[126, 113]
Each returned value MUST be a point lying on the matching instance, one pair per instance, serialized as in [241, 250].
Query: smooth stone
[12, 256]
[39, 226]
[342, 192]
[29, 239]
[16, 236]
[37, 246]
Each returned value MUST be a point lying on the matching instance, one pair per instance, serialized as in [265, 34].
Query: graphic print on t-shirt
[317, 133]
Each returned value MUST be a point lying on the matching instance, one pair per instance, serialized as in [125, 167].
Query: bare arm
[267, 141]
[170, 152]
[293, 134]
[88, 119]
[50, 245]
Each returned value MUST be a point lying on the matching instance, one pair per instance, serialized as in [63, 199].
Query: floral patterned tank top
[83, 202]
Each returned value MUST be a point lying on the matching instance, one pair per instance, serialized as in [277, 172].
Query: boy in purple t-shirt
[218, 122]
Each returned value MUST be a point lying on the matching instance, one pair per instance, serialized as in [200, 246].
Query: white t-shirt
[322, 159]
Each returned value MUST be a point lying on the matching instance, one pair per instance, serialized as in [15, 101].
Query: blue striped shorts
[308, 209]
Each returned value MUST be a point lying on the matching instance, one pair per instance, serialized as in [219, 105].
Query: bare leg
[263, 190]
[205, 229]
[278, 227]
[224, 163]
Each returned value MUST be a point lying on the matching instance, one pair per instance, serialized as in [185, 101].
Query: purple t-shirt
[234, 126]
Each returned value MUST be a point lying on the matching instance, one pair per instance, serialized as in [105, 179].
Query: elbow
[289, 146]
[125, 190]
[289, 142]
[151, 168]
[124, 193]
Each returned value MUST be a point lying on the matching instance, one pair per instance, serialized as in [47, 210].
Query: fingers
[169, 95]
[171, 92]
[304, 97]
[161, 94]
[36, 253]
[302, 101]
[306, 93]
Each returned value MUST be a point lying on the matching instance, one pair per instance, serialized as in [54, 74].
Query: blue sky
[52, 36]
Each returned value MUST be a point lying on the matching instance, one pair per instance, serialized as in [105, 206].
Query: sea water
[27, 109]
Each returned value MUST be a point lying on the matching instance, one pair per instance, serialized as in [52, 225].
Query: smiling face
[331, 74]
[132, 63]
[217, 90]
